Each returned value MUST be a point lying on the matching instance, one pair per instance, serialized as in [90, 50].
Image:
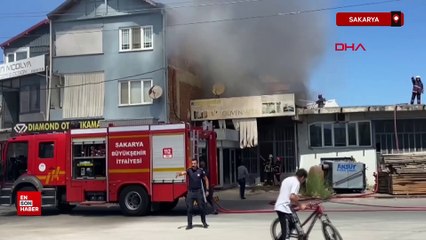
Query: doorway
[228, 166]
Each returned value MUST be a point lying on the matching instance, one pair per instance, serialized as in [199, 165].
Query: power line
[249, 17]
[167, 7]
[129, 78]
[141, 10]
[43, 12]
[285, 13]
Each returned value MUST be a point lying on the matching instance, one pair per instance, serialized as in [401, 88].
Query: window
[46, 150]
[17, 159]
[135, 92]
[84, 95]
[136, 38]
[352, 134]
[364, 133]
[10, 57]
[20, 54]
[84, 41]
[30, 99]
[315, 135]
[340, 134]
[328, 137]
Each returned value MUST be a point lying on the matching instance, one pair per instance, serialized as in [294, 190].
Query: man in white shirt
[287, 198]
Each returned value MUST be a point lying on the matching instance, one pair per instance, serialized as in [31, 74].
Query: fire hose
[367, 207]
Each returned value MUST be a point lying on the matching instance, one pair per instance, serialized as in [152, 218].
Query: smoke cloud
[239, 44]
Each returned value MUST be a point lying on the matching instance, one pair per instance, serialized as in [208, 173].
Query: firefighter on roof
[417, 89]
[321, 101]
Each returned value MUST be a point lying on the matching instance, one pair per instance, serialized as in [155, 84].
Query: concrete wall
[309, 156]
[184, 86]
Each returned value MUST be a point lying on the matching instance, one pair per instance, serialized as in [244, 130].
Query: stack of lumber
[406, 174]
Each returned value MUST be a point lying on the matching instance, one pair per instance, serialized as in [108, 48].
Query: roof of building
[361, 109]
[25, 33]
[69, 3]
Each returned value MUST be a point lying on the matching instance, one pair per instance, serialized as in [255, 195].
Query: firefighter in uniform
[196, 192]
[417, 89]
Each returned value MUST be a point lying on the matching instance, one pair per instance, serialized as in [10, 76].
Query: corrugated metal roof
[69, 3]
[25, 33]
[360, 109]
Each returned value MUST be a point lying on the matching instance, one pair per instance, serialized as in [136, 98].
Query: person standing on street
[287, 198]
[242, 176]
[277, 172]
[196, 192]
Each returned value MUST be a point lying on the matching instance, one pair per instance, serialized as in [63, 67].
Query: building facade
[106, 56]
[361, 133]
[24, 76]
[251, 129]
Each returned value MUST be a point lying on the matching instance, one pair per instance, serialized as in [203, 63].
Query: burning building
[253, 60]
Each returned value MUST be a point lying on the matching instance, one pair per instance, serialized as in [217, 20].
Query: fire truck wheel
[134, 201]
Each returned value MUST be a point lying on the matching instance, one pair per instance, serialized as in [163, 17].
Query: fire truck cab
[134, 166]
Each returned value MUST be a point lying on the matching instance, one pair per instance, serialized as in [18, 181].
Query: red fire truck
[134, 166]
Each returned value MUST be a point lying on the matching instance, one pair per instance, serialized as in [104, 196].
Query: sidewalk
[257, 198]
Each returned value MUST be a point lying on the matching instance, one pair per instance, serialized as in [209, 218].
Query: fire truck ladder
[195, 139]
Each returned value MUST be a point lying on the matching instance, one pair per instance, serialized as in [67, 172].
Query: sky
[381, 75]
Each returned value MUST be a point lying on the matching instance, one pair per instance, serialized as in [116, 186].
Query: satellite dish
[155, 92]
[218, 89]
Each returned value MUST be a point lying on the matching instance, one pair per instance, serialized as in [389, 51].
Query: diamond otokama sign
[28, 203]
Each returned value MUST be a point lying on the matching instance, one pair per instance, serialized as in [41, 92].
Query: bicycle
[317, 214]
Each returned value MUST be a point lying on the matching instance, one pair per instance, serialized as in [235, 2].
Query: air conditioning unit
[341, 117]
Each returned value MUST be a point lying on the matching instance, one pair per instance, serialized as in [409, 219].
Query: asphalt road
[363, 222]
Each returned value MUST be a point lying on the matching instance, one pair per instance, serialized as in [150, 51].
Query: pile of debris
[402, 174]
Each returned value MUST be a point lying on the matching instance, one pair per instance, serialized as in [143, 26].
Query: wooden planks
[404, 174]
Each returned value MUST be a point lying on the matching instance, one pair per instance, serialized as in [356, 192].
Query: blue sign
[346, 167]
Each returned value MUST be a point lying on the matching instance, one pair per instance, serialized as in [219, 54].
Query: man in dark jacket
[196, 176]
[417, 89]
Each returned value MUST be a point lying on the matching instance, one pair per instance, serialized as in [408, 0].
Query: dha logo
[347, 167]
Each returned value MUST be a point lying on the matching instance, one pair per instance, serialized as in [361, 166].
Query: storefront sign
[55, 126]
[22, 67]
[243, 107]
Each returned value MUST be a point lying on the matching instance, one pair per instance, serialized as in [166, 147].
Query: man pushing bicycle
[287, 198]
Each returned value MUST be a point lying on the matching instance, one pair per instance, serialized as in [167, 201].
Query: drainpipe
[49, 78]
[166, 74]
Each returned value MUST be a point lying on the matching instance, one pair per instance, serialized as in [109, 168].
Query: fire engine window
[46, 149]
[17, 154]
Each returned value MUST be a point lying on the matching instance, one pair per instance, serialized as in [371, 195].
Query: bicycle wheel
[276, 232]
[276, 229]
[330, 232]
